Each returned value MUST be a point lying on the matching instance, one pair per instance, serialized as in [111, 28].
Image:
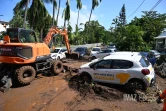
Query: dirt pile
[92, 89]
[108, 93]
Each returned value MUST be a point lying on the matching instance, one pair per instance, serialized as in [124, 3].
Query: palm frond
[20, 5]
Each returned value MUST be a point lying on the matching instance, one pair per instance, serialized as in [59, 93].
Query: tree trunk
[78, 17]
[64, 23]
[58, 12]
[90, 15]
[25, 15]
[53, 14]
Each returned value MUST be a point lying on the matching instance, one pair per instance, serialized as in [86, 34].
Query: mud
[85, 89]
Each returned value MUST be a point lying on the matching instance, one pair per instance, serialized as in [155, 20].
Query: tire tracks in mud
[36, 91]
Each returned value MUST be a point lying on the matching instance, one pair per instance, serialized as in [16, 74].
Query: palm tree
[79, 6]
[59, 3]
[36, 6]
[116, 21]
[54, 7]
[66, 13]
[95, 3]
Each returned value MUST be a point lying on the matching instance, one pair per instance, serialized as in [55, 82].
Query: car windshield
[56, 51]
[144, 62]
[79, 49]
[95, 49]
[144, 54]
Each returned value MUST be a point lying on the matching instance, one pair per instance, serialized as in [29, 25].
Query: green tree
[79, 6]
[17, 20]
[122, 16]
[95, 3]
[37, 7]
[152, 24]
[95, 32]
[54, 7]
[59, 4]
[132, 40]
[66, 13]
[115, 22]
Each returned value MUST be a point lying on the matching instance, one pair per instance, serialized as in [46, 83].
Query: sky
[104, 13]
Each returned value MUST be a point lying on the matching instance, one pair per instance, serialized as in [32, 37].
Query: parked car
[131, 70]
[150, 57]
[112, 46]
[58, 53]
[102, 53]
[82, 51]
[95, 50]
[156, 53]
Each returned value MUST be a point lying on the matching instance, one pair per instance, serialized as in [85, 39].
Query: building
[3, 25]
[161, 42]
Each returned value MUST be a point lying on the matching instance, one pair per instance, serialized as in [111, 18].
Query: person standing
[162, 96]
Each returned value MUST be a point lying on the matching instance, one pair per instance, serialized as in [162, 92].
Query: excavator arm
[54, 30]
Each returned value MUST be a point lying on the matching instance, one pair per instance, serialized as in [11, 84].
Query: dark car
[82, 51]
[150, 57]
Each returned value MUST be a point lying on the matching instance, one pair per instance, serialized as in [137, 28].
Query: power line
[137, 8]
[155, 5]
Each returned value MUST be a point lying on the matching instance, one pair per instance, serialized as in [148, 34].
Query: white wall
[2, 28]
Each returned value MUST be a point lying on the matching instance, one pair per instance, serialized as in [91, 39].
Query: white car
[95, 50]
[131, 70]
[102, 53]
[58, 53]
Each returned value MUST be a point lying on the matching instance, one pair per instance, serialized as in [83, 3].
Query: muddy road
[56, 93]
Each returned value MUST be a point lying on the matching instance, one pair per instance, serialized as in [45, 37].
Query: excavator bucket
[72, 55]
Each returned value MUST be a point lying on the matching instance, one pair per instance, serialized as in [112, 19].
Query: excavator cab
[20, 35]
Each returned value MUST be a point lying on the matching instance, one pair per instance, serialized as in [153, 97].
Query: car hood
[87, 64]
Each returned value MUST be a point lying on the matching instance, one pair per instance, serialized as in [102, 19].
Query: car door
[101, 54]
[122, 70]
[102, 72]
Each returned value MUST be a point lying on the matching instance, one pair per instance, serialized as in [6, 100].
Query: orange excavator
[22, 56]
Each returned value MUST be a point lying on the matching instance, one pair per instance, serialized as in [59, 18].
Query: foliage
[2, 34]
[95, 3]
[132, 39]
[17, 20]
[152, 24]
[66, 13]
[138, 35]
[122, 16]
